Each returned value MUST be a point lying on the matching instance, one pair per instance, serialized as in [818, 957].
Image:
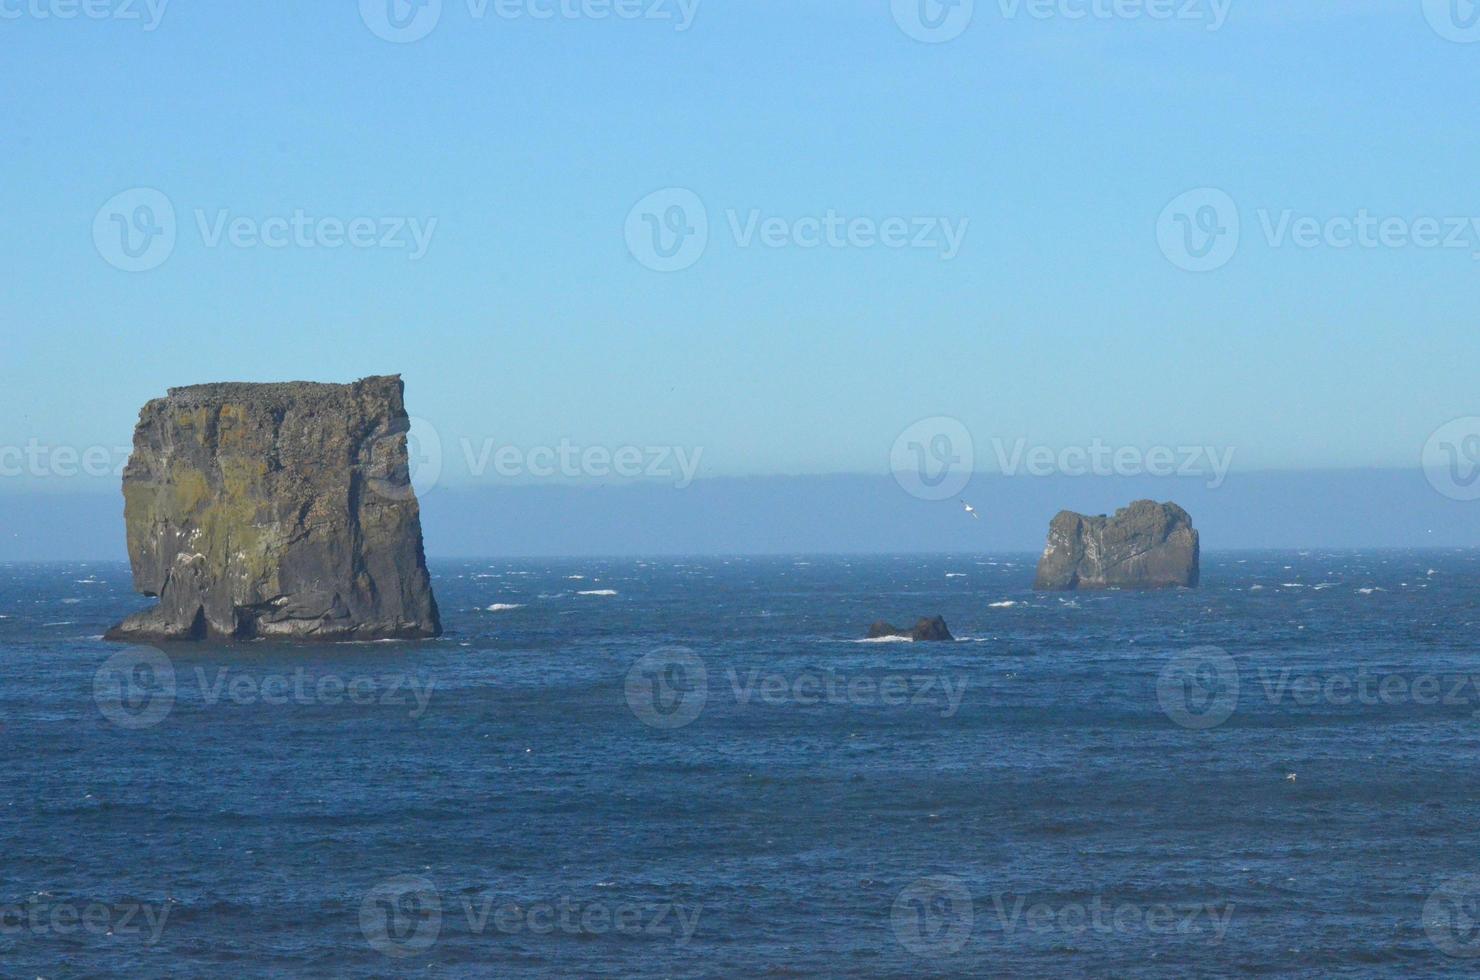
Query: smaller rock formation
[1144, 546]
[925, 631]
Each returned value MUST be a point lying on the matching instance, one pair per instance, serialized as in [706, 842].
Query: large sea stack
[279, 511]
[1144, 546]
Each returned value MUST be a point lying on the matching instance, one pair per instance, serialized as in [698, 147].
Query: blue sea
[694, 767]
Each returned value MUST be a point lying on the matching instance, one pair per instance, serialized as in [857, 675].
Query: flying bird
[971, 510]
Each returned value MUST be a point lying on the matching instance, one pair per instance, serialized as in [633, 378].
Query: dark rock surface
[276, 510]
[1144, 546]
[925, 631]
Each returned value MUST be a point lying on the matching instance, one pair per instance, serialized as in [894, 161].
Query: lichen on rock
[276, 511]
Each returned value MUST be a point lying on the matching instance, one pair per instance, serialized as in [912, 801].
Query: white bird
[1289, 777]
[971, 510]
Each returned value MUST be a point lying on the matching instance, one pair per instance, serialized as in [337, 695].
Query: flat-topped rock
[276, 510]
[1146, 545]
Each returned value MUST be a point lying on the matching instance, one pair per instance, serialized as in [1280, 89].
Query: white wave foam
[505, 606]
[1004, 604]
[955, 574]
[887, 639]
[598, 592]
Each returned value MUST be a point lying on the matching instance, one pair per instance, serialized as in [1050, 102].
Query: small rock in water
[931, 630]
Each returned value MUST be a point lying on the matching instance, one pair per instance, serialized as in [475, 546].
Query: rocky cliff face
[1144, 546]
[276, 510]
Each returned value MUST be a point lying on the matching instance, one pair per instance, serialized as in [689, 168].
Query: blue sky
[1054, 142]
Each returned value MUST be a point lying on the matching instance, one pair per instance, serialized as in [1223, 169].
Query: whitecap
[574, 578]
[505, 606]
[598, 592]
[1004, 604]
[887, 639]
[955, 574]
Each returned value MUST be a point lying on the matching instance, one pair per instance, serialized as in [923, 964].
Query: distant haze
[838, 514]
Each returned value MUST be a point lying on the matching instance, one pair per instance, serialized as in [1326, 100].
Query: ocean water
[692, 767]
